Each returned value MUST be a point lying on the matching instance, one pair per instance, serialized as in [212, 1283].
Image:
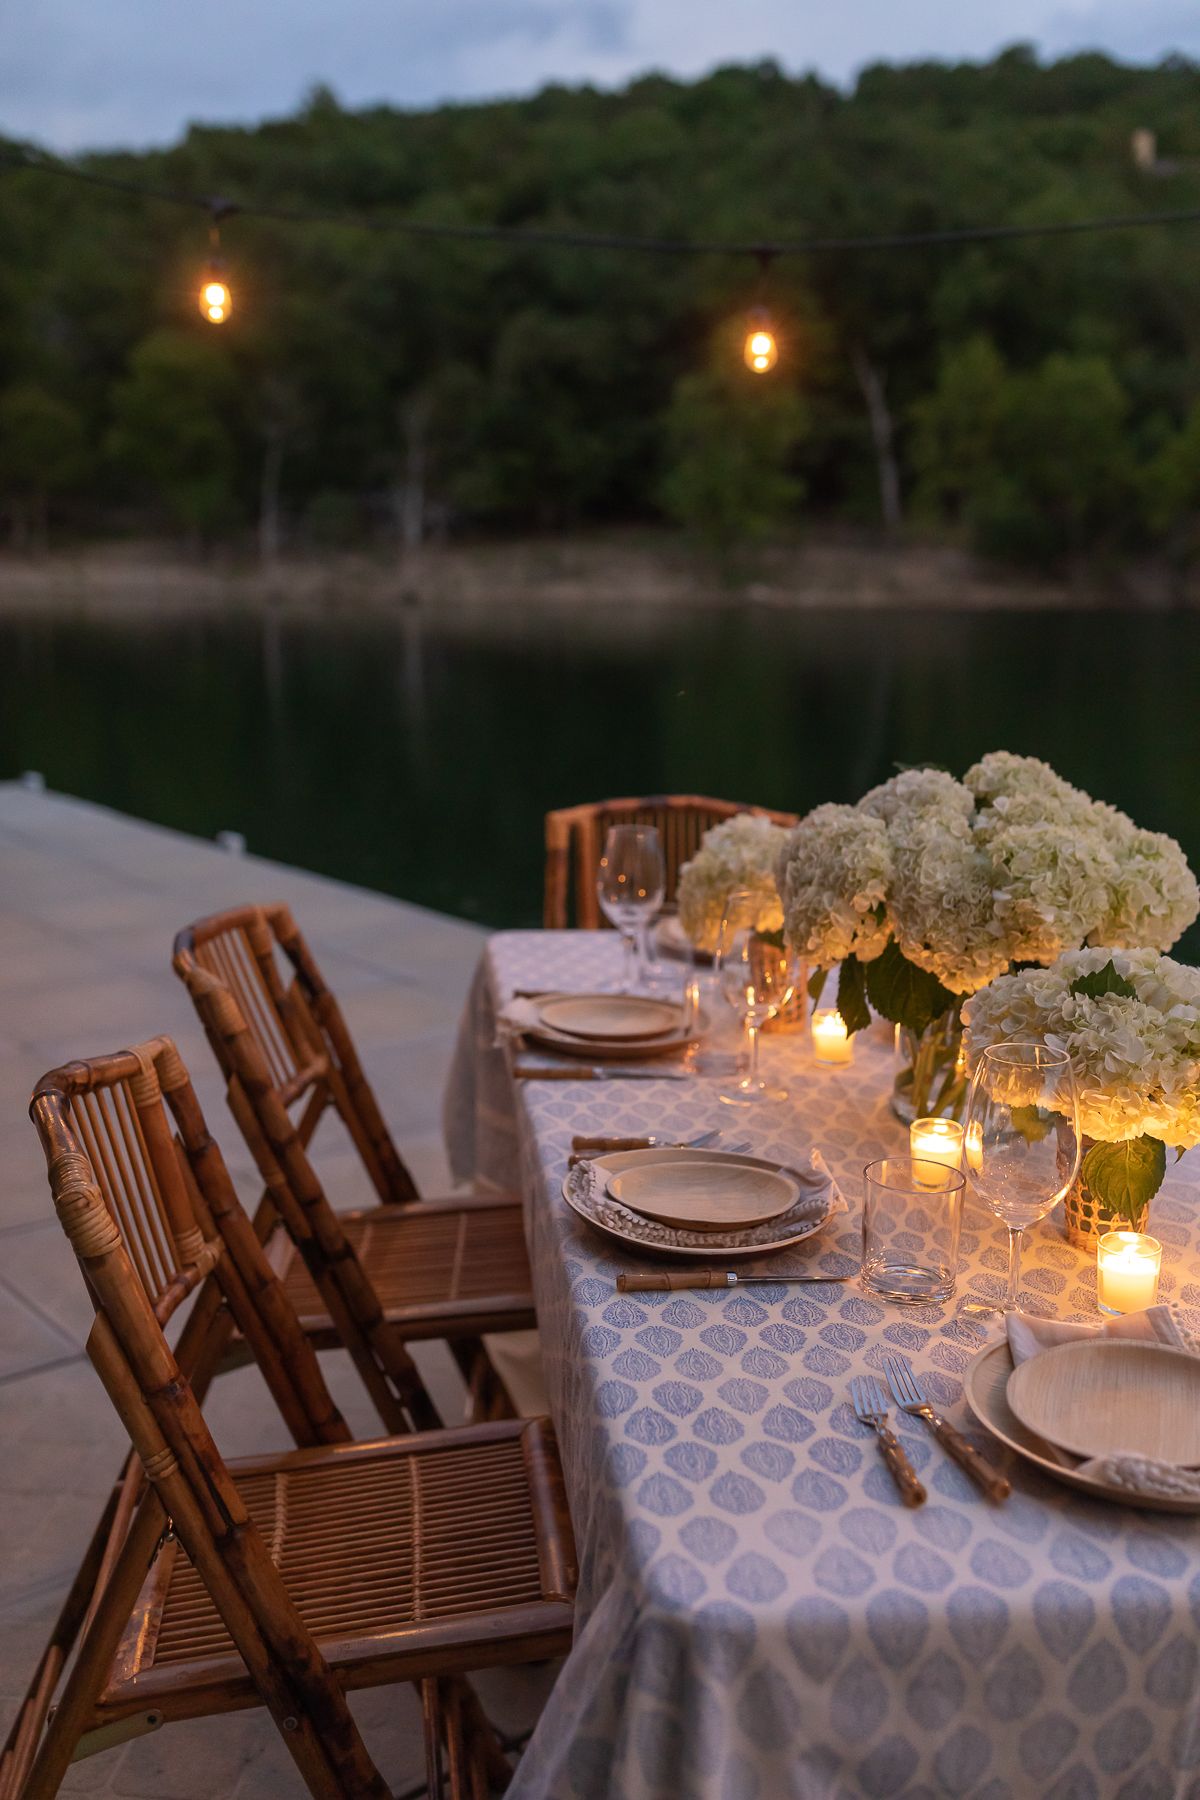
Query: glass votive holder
[1127, 1270]
[831, 1041]
[936, 1141]
[912, 1216]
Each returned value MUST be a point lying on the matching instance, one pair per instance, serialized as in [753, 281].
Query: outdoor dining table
[758, 1614]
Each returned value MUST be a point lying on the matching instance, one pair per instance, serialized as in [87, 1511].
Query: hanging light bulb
[215, 299]
[760, 351]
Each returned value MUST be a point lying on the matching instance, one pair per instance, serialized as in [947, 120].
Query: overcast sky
[91, 73]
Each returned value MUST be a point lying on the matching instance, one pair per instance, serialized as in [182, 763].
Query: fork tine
[902, 1381]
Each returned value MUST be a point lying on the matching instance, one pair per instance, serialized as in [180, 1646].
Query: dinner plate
[985, 1385]
[672, 940]
[704, 1191]
[1097, 1398]
[585, 1190]
[611, 1016]
[615, 1049]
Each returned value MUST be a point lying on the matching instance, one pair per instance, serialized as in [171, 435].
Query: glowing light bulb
[761, 352]
[216, 301]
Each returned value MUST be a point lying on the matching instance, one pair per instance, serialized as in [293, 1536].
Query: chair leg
[487, 1396]
[431, 1718]
[494, 1769]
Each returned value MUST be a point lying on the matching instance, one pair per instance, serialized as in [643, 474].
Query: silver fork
[910, 1397]
[870, 1403]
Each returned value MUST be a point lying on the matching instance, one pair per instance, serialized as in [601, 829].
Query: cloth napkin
[1029, 1336]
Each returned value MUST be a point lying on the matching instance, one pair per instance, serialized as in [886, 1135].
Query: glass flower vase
[931, 1072]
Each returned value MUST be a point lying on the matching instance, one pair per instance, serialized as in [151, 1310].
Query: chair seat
[449, 1543]
[441, 1268]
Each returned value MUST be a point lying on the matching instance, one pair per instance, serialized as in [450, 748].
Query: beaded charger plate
[585, 1190]
[985, 1390]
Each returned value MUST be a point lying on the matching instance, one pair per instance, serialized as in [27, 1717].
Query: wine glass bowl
[1021, 1141]
[757, 975]
[630, 885]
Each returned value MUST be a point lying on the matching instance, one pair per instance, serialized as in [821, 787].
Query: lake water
[418, 757]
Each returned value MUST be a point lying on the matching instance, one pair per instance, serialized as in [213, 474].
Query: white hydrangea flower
[742, 852]
[834, 871]
[1153, 896]
[1053, 886]
[1136, 1058]
[921, 791]
[942, 906]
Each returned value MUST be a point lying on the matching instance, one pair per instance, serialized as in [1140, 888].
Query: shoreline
[139, 581]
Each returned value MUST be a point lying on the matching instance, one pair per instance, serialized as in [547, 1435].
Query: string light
[215, 298]
[761, 352]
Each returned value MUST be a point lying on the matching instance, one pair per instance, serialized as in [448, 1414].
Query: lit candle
[1127, 1265]
[831, 1040]
[936, 1141]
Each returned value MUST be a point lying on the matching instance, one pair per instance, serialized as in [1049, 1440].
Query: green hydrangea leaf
[1126, 1177]
[1104, 981]
[852, 996]
[903, 993]
[816, 982]
[1033, 1122]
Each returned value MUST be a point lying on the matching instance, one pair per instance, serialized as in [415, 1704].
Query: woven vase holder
[1086, 1217]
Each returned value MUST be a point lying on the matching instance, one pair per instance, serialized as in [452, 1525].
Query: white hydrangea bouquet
[1130, 1022]
[929, 888]
[742, 852]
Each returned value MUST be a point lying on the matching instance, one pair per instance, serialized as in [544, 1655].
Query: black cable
[591, 240]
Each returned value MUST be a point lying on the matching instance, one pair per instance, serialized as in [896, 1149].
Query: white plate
[985, 1384]
[585, 1190]
[1097, 1398]
[620, 1017]
[705, 1191]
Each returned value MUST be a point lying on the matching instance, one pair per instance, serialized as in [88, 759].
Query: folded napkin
[1134, 1474]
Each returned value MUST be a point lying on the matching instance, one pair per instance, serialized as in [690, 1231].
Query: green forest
[1037, 400]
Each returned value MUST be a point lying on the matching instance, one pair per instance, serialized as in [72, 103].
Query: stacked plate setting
[697, 1203]
[611, 1027]
[1102, 1397]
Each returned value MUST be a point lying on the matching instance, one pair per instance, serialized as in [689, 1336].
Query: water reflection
[417, 754]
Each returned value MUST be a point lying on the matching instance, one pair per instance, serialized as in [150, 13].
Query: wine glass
[758, 976]
[1021, 1143]
[630, 884]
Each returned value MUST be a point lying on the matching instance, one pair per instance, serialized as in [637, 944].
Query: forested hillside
[1038, 398]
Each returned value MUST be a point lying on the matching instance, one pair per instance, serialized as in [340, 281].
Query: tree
[730, 440]
[42, 453]
[956, 427]
[174, 416]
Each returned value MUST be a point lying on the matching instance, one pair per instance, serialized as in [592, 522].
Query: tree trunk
[410, 499]
[883, 432]
[269, 523]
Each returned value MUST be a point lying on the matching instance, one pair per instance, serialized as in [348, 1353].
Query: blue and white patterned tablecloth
[759, 1616]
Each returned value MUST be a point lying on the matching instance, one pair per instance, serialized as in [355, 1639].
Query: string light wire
[539, 237]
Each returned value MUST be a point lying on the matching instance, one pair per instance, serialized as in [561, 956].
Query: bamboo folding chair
[575, 842]
[280, 1580]
[409, 1269]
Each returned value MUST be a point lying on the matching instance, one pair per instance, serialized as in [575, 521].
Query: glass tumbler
[912, 1216]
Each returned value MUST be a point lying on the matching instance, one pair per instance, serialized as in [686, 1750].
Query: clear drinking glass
[912, 1216]
[757, 976]
[630, 884]
[1021, 1143]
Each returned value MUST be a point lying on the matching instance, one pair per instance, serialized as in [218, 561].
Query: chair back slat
[207, 1512]
[292, 1188]
[575, 839]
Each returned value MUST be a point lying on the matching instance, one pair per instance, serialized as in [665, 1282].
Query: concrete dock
[89, 904]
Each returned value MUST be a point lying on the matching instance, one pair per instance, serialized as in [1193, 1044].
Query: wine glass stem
[639, 952]
[1014, 1267]
[629, 972]
[752, 1045]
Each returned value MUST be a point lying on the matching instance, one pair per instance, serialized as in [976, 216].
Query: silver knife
[644, 1282]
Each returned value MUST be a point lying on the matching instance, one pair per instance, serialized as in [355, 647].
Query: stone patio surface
[89, 904]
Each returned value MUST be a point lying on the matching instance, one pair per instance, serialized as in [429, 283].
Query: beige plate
[1094, 1399]
[705, 1192]
[615, 1016]
[673, 940]
[615, 1049]
[985, 1384]
[585, 1190]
